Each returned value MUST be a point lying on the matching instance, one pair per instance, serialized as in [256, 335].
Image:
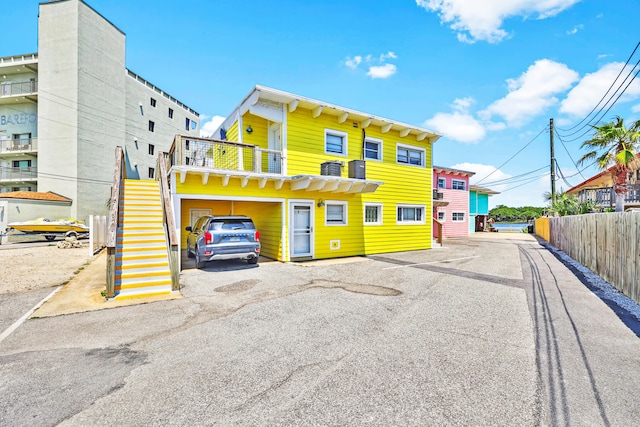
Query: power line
[513, 178]
[569, 154]
[606, 93]
[511, 158]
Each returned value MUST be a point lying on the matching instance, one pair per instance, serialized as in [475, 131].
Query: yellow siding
[305, 144]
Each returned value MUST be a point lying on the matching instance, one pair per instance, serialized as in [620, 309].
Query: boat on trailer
[51, 228]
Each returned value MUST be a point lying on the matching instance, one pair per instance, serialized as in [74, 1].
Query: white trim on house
[423, 155]
[345, 213]
[379, 207]
[380, 148]
[411, 206]
[345, 142]
[453, 216]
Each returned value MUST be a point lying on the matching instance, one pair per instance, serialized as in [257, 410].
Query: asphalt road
[480, 332]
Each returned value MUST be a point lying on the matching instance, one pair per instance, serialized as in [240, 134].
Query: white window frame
[453, 216]
[453, 184]
[345, 213]
[364, 213]
[345, 142]
[403, 206]
[444, 183]
[444, 216]
[374, 141]
[423, 155]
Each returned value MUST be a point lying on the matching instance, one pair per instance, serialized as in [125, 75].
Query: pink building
[451, 201]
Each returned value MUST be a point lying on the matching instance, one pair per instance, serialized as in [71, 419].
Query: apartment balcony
[19, 146]
[12, 88]
[25, 174]
[604, 197]
[225, 156]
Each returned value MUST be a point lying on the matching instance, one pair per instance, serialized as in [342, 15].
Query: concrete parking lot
[485, 331]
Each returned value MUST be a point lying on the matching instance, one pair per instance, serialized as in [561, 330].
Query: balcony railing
[18, 145]
[225, 155]
[29, 173]
[18, 88]
[605, 197]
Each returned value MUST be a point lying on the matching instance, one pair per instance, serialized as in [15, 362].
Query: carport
[269, 215]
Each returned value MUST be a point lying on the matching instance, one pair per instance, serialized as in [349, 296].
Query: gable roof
[49, 196]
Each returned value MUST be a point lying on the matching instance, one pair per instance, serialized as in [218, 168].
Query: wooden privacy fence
[606, 243]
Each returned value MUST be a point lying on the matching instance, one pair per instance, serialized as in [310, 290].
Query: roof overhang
[320, 183]
[271, 104]
[437, 203]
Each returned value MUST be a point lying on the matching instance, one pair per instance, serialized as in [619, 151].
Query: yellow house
[319, 180]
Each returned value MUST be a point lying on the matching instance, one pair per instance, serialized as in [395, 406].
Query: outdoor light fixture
[249, 130]
[320, 203]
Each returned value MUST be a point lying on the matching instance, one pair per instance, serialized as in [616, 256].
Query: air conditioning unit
[331, 168]
[437, 196]
[357, 169]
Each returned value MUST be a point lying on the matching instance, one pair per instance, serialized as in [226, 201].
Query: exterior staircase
[142, 257]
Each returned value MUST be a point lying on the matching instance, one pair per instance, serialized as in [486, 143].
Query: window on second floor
[153, 102]
[442, 182]
[409, 155]
[152, 149]
[372, 149]
[152, 173]
[152, 126]
[187, 123]
[456, 184]
[442, 216]
[457, 216]
[335, 142]
[171, 113]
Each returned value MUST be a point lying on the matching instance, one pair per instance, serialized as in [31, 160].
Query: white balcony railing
[29, 173]
[18, 145]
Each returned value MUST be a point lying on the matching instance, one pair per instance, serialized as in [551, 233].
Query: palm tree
[615, 146]
[565, 204]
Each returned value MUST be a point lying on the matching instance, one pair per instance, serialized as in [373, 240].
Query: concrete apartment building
[65, 109]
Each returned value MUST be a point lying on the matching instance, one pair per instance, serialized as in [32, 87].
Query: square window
[336, 213]
[152, 126]
[456, 184]
[410, 155]
[410, 214]
[153, 102]
[152, 173]
[335, 142]
[442, 216]
[194, 125]
[170, 113]
[373, 149]
[152, 149]
[457, 216]
[442, 182]
[373, 214]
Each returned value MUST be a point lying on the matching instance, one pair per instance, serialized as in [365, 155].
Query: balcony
[10, 88]
[225, 156]
[604, 197]
[29, 173]
[18, 146]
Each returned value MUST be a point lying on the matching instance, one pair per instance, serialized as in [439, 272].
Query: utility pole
[553, 164]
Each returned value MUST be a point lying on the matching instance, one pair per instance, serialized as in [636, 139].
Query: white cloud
[575, 30]
[208, 128]
[378, 67]
[353, 62]
[588, 92]
[381, 71]
[482, 19]
[636, 108]
[458, 126]
[533, 92]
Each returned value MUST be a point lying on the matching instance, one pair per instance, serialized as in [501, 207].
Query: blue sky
[487, 74]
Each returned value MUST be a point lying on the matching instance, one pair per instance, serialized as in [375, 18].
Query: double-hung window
[335, 142]
[373, 214]
[457, 184]
[336, 213]
[372, 149]
[442, 183]
[410, 214]
[457, 216]
[409, 155]
[442, 216]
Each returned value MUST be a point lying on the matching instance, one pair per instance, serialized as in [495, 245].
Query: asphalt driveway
[480, 332]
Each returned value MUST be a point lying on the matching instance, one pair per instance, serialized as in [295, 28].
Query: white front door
[301, 229]
[275, 143]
